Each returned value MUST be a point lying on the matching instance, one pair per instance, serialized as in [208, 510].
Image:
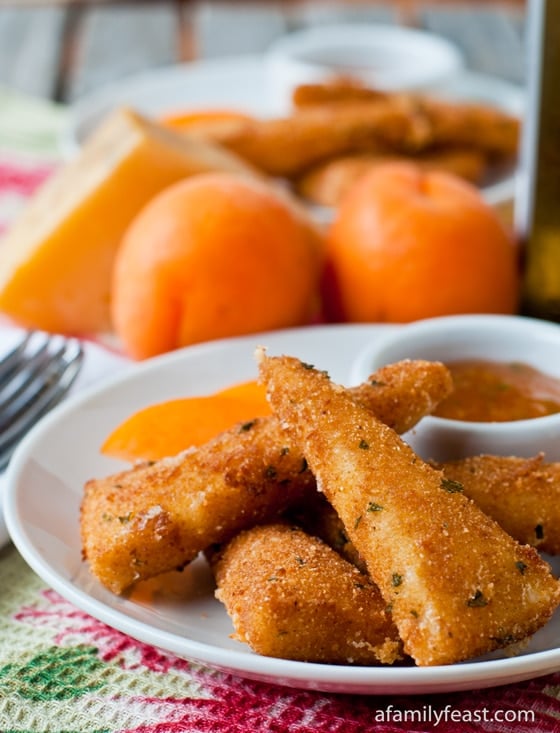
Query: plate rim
[373, 680]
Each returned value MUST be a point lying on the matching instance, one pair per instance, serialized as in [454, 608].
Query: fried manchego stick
[291, 596]
[157, 517]
[402, 393]
[153, 518]
[478, 125]
[336, 91]
[458, 585]
[521, 494]
[288, 146]
[398, 125]
[317, 517]
[327, 183]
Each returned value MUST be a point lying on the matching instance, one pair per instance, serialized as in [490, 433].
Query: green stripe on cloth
[30, 125]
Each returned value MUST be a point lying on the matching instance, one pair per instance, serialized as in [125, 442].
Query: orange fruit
[213, 256]
[409, 244]
[167, 428]
[204, 119]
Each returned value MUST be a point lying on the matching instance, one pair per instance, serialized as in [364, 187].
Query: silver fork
[34, 377]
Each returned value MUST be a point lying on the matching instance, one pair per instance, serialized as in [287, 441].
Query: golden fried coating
[291, 596]
[393, 125]
[478, 125]
[457, 584]
[317, 517]
[340, 90]
[154, 518]
[151, 519]
[288, 146]
[401, 394]
[327, 183]
[521, 494]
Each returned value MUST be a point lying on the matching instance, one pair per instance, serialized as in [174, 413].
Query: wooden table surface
[62, 50]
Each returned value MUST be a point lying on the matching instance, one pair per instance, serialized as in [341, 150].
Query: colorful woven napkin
[29, 131]
[62, 671]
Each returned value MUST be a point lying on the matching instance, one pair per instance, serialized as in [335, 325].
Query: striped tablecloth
[62, 671]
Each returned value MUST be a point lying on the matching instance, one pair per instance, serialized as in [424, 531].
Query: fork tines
[34, 377]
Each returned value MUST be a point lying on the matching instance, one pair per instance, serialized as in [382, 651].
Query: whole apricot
[408, 243]
[213, 256]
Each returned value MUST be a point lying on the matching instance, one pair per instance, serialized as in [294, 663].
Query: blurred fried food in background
[339, 130]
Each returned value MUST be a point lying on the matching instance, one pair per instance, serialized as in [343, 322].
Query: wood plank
[225, 28]
[491, 39]
[318, 12]
[30, 41]
[118, 40]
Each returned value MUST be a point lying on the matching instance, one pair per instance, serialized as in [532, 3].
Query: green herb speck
[451, 486]
[478, 600]
[270, 472]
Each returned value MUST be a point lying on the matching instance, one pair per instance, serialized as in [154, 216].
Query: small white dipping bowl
[488, 337]
[382, 56]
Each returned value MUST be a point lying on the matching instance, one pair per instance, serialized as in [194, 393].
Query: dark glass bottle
[538, 198]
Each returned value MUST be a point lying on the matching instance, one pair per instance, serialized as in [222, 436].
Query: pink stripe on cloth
[19, 179]
[23, 179]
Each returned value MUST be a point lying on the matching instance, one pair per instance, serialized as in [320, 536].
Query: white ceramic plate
[244, 83]
[178, 613]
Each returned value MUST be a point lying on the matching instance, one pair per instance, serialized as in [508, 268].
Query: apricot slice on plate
[167, 428]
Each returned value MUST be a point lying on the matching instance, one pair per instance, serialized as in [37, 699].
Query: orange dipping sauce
[488, 391]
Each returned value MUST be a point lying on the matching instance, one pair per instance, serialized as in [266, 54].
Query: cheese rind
[57, 258]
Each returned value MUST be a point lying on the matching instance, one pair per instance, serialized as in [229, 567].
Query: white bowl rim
[433, 56]
[486, 321]
[339, 34]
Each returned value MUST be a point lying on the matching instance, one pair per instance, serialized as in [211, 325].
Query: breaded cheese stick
[289, 146]
[458, 585]
[399, 124]
[154, 518]
[521, 494]
[317, 517]
[335, 91]
[402, 393]
[157, 517]
[291, 596]
[479, 125]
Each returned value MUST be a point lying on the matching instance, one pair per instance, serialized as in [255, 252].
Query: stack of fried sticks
[391, 559]
[338, 131]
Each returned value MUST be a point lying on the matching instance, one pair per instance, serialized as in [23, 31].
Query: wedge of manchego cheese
[56, 259]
